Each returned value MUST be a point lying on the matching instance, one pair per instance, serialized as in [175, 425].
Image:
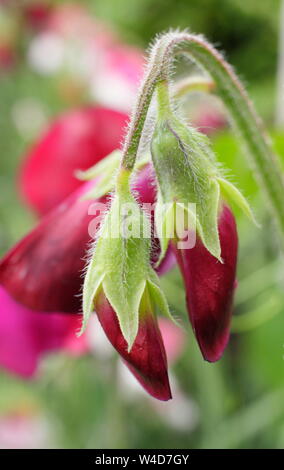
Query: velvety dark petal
[76, 140]
[210, 287]
[44, 270]
[147, 358]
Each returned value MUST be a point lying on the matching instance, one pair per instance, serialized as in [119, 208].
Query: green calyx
[120, 262]
[189, 180]
[103, 173]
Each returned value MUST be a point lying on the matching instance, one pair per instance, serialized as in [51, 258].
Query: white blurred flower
[112, 90]
[22, 431]
[46, 53]
[97, 340]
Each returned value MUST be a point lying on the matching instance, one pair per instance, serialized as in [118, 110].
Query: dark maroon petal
[44, 270]
[76, 140]
[147, 358]
[144, 185]
[210, 287]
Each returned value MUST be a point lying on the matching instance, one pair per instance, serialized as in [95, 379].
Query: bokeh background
[51, 60]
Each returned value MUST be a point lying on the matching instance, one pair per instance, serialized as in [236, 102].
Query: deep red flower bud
[43, 271]
[147, 358]
[76, 140]
[210, 287]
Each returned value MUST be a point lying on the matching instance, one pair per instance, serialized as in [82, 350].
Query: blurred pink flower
[26, 336]
[174, 339]
[87, 52]
[76, 140]
[23, 429]
[209, 119]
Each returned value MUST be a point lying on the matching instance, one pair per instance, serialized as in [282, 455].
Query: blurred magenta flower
[209, 120]
[210, 286]
[26, 336]
[76, 140]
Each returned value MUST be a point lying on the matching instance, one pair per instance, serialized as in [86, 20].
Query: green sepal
[92, 282]
[186, 174]
[104, 172]
[234, 196]
[164, 223]
[158, 297]
[207, 221]
[122, 261]
[106, 165]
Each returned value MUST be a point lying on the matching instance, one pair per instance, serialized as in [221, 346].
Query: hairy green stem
[245, 120]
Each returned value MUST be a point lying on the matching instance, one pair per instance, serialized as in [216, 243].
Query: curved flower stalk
[247, 123]
[74, 141]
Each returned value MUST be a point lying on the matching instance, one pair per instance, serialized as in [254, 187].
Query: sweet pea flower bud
[209, 286]
[188, 176]
[147, 358]
[123, 289]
